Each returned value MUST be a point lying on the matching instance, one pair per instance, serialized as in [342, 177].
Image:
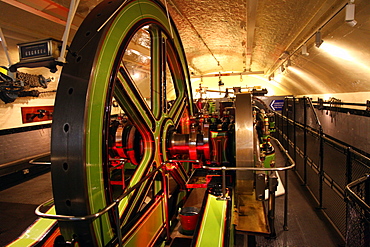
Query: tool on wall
[14, 85]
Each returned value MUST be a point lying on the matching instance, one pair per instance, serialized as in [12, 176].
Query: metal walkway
[307, 226]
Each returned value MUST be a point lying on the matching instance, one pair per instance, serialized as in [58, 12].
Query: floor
[307, 226]
[18, 203]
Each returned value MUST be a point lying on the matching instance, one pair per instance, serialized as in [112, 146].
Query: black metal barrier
[323, 164]
[358, 212]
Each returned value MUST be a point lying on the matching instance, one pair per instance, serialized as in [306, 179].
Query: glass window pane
[170, 88]
[137, 60]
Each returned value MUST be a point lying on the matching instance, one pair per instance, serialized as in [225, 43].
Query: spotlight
[237, 90]
[318, 40]
[288, 63]
[352, 23]
[282, 68]
[304, 50]
[220, 83]
[350, 14]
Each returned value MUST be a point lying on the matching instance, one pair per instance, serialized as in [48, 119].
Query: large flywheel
[125, 76]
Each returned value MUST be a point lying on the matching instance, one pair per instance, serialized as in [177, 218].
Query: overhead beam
[229, 74]
[40, 13]
[251, 26]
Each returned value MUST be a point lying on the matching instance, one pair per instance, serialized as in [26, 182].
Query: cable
[199, 36]
[168, 18]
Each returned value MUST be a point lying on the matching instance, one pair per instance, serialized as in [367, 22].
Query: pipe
[229, 74]
[5, 47]
[38, 12]
[71, 14]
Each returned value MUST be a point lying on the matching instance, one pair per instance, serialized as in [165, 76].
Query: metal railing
[114, 205]
[285, 169]
[359, 198]
[43, 163]
[358, 212]
[324, 164]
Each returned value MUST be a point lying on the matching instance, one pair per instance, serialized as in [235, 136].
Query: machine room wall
[209, 84]
[10, 113]
[340, 66]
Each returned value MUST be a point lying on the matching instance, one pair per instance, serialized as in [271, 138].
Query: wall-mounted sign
[37, 113]
[277, 105]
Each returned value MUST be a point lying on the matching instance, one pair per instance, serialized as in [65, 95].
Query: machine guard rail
[43, 163]
[315, 168]
[98, 214]
[358, 211]
[116, 202]
[351, 195]
[48, 163]
[285, 169]
[324, 136]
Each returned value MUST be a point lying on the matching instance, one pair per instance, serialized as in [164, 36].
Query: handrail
[360, 155]
[340, 103]
[246, 168]
[101, 212]
[45, 163]
[354, 196]
[130, 189]
[182, 161]
[33, 162]
[107, 208]
[326, 137]
[71, 218]
[285, 168]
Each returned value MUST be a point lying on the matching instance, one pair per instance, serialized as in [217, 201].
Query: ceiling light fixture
[220, 83]
[282, 68]
[318, 40]
[349, 8]
[288, 63]
[304, 50]
[350, 14]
